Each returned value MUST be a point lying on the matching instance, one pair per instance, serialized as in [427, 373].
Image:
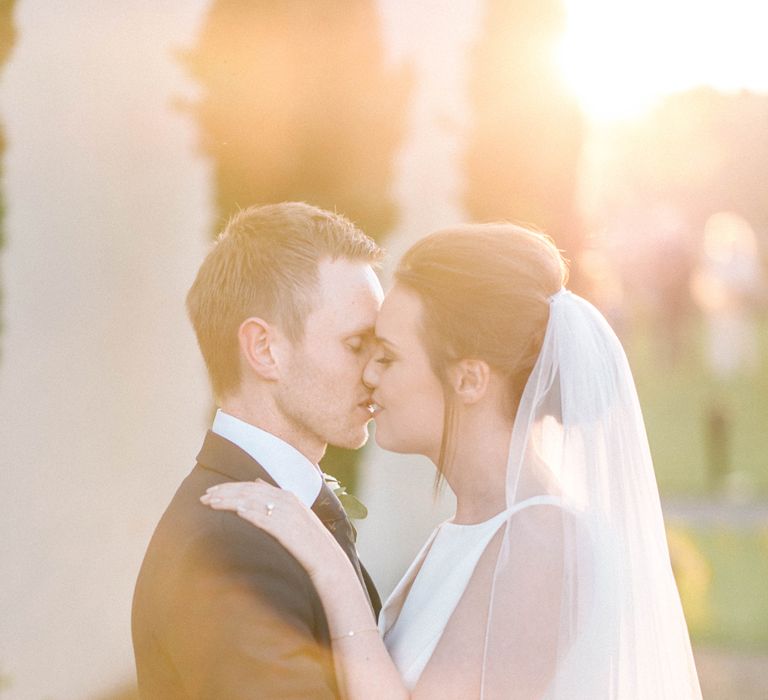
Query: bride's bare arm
[363, 665]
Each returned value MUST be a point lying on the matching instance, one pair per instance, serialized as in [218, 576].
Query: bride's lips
[368, 407]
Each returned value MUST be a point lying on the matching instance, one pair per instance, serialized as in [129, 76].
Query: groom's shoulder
[212, 581]
[193, 536]
[197, 554]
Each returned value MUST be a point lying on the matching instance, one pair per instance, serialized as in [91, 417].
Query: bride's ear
[469, 379]
[256, 339]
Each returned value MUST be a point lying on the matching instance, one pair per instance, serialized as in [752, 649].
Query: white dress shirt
[290, 469]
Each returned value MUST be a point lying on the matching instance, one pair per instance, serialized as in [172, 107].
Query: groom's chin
[364, 435]
[353, 440]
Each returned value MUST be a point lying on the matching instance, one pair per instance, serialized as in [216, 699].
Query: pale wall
[102, 395]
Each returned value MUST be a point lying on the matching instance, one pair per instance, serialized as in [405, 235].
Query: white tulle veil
[583, 604]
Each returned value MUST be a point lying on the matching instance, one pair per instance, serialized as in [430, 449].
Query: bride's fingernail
[214, 500]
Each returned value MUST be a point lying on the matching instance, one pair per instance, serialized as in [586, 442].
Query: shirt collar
[285, 464]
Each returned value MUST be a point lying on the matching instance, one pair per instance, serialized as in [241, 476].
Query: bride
[552, 580]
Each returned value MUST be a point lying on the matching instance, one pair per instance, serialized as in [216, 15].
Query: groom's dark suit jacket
[221, 609]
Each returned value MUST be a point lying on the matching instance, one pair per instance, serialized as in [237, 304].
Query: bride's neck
[477, 473]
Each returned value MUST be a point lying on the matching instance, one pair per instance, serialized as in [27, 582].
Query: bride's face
[407, 394]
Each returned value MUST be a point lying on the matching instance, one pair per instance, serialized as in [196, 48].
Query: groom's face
[321, 391]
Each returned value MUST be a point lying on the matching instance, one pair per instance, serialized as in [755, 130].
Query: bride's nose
[371, 374]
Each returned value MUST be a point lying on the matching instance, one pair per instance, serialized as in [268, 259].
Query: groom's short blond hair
[264, 263]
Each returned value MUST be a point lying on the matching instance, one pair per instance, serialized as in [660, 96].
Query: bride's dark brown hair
[485, 291]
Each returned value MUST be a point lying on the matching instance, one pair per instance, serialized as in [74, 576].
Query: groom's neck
[263, 413]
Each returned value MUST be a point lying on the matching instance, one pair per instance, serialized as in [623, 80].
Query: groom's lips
[367, 406]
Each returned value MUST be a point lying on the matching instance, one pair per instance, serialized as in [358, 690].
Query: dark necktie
[328, 508]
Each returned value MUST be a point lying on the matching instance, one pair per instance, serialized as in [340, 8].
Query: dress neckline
[532, 501]
[482, 524]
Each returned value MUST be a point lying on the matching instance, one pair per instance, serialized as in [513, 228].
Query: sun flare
[621, 56]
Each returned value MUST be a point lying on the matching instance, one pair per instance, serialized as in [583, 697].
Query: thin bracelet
[353, 633]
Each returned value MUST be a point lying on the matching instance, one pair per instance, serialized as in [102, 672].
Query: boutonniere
[352, 506]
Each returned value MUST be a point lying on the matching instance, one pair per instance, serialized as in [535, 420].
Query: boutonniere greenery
[352, 506]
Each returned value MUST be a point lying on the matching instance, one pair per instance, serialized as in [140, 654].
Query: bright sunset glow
[620, 56]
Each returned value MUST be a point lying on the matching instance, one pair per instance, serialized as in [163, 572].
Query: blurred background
[636, 134]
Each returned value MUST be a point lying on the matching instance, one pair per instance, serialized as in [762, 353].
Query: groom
[283, 307]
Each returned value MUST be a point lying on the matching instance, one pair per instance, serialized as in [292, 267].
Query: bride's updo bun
[485, 292]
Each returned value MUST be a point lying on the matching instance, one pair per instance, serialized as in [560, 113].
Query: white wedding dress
[573, 602]
[416, 613]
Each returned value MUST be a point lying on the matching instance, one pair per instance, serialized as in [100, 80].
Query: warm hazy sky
[620, 55]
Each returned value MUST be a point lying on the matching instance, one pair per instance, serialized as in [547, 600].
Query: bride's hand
[363, 665]
[281, 514]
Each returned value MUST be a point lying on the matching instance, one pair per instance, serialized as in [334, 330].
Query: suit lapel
[234, 464]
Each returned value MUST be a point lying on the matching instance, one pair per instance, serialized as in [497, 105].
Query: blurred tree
[7, 40]
[525, 144]
[298, 104]
[7, 29]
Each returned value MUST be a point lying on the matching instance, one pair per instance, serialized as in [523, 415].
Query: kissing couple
[552, 580]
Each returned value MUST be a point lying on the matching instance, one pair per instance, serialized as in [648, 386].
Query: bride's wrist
[344, 600]
[333, 571]
[349, 633]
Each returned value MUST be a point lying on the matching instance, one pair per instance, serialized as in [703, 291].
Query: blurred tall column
[7, 40]
[433, 39]
[104, 396]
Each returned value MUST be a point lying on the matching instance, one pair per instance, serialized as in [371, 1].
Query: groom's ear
[256, 338]
[469, 379]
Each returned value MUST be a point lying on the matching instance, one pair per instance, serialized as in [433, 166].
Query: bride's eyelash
[384, 360]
